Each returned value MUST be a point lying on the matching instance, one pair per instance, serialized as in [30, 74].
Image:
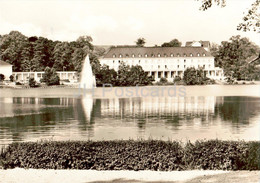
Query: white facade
[6, 69]
[166, 65]
[63, 75]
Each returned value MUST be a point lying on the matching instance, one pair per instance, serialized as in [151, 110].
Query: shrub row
[133, 155]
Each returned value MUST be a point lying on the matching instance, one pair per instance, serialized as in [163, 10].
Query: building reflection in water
[80, 118]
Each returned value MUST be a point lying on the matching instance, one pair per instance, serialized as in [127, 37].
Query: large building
[167, 62]
[5, 69]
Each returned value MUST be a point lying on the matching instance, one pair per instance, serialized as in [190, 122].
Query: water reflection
[26, 119]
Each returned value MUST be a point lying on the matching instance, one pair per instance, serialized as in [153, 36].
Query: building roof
[3, 63]
[203, 43]
[125, 52]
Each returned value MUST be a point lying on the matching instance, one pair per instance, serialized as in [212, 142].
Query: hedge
[133, 155]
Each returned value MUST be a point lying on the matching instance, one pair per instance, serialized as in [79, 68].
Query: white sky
[111, 22]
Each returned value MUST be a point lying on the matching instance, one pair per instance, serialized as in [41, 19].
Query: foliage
[140, 42]
[125, 76]
[251, 21]
[18, 83]
[11, 77]
[32, 82]
[177, 78]
[132, 76]
[106, 76]
[194, 76]
[2, 77]
[223, 155]
[231, 56]
[50, 77]
[133, 155]
[172, 43]
[36, 53]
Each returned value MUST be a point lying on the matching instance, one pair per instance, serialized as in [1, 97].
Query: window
[184, 66]
[165, 55]
[139, 55]
[120, 55]
[178, 55]
[118, 61]
[159, 55]
[178, 66]
[133, 55]
[165, 66]
[204, 54]
[139, 61]
[184, 61]
[145, 55]
[126, 55]
[171, 54]
[198, 54]
[191, 55]
[158, 67]
[113, 61]
[152, 55]
[209, 65]
[184, 55]
[114, 55]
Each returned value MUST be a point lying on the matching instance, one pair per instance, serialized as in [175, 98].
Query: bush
[50, 77]
[18, 83]
[11, 77]
[32, 82]
[2, 77]
[177, 78]
[133, 155]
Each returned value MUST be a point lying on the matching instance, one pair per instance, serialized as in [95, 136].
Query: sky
[122, 22]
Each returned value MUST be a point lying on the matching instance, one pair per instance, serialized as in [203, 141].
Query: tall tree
[140, 42]
[232, 56]
[11, 47]
[172, 43]
[251, 20]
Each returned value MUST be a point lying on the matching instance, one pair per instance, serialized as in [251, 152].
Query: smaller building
[24, 77]
[6, 69]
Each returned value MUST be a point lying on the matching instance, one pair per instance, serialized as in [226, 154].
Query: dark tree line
[37, 53]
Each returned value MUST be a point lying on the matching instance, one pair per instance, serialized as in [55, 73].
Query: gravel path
[78, 176]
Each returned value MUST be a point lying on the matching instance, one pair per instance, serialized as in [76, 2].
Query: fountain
[87, 79]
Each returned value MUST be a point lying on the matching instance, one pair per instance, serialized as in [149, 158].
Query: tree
[106, 76]
[2, 77]
[251, 21]
[11, 46]
[132, 76]
[231, 56]
[172, 43]
[194, 76]
[140, 42]
[50, 77]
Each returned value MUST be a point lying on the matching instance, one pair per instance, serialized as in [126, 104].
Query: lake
[166, 113]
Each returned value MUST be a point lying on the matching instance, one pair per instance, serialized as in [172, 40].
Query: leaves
[133, 155]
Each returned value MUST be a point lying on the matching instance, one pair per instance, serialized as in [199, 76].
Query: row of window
[159, 55]
[172, 66]
[153, 61]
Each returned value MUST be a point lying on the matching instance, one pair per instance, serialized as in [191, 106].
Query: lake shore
[132, 92]
[86, 176]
